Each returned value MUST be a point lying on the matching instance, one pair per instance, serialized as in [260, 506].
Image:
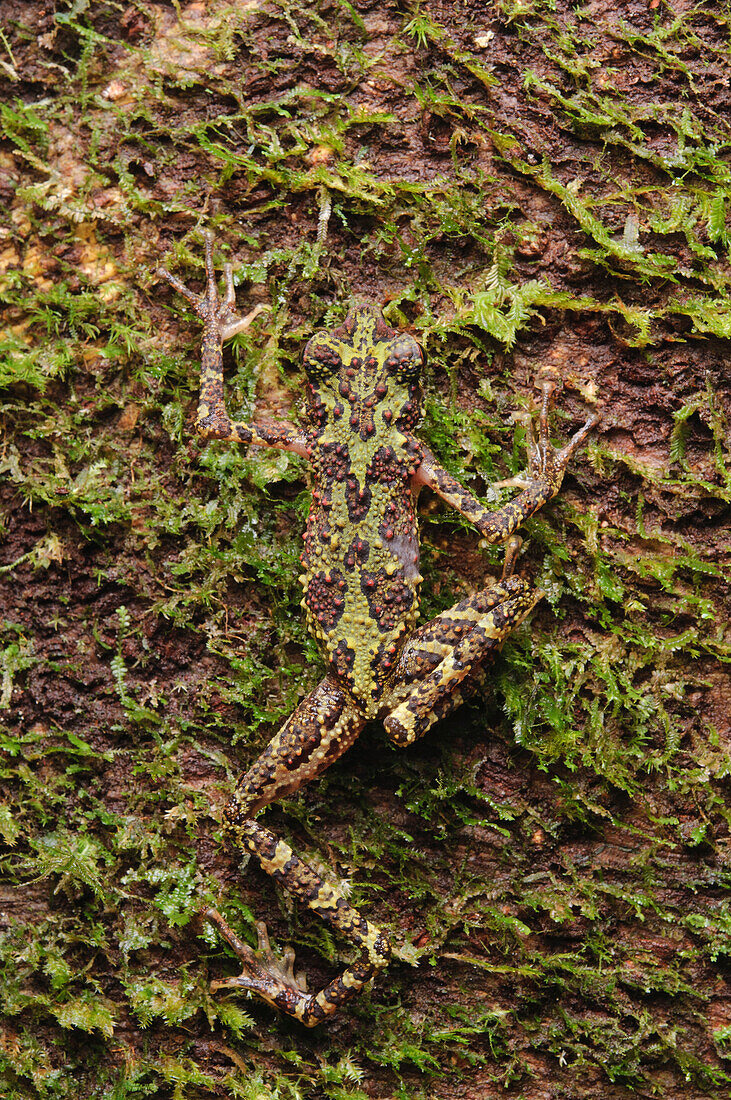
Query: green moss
[554, 858]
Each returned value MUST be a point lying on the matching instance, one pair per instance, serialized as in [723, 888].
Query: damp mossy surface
[526, 184]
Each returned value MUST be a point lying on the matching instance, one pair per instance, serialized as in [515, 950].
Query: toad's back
[361, 552]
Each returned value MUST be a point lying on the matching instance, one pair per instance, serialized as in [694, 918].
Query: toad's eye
[321, 357]
[405, 358]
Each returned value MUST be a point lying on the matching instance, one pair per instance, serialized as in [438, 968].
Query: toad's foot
[263, 972]
[219, 316]
[545, 462]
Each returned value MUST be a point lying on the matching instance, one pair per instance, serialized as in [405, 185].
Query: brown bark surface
[520, 184]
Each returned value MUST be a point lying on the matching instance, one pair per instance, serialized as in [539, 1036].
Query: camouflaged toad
[361, 595]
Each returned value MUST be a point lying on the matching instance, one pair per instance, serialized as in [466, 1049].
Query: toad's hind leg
[324, 725]
[274, 982]
[444, 657]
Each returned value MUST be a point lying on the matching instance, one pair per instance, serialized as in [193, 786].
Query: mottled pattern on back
[361, 550]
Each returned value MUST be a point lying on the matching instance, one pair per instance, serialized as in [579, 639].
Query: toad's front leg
[546, 468]
[324, 725]
[220, 323]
